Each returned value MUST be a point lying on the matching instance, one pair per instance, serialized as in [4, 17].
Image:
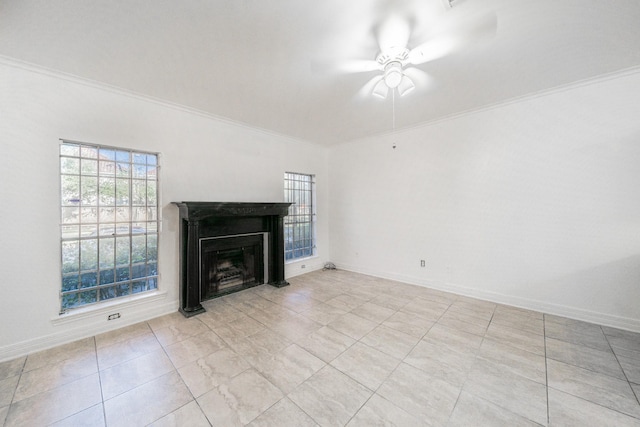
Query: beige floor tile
[366, 365]
[324, 313]
[460, 341]
[479, 309]
[330, 397]
[568, 410]
[517, 311]
[517, 338]
[179, 331]
[147, 403]
[325, 343]
[471, 410]
[463, 322]
[4, 410]
[373, 312]
[122, 334]
[588, 336]
[380, 412]
[11, 368]
[289, 368]
[253, 347]
[208, 372]
[121, 351]
[346, 302]
[133, 373]
[194, 348]
[72, 351]
[424, 308]
[622, 339]
[57, 404]
[603, 362]
[489, 358]
[392, 301]
[283, 414]
[296, 327]
[8, 389]
[188, 415]
[218, 312]
[517, 394]
[56, 374]
[597, 388]
[240, 400]
[631, 368]
[519, 321]
[389, 341]
[423, 396]
[90, 417]
[512, 359]
[352, 325]
[409, 324]
[441, 362]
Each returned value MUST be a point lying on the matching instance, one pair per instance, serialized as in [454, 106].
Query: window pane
[107, 191]
[89, 254]
[70, 256]
[69, 165]
[299, 223]
[89, 191]
[104, 238]
[89, 167]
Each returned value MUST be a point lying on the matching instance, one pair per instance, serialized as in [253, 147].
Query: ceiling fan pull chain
[393, 116]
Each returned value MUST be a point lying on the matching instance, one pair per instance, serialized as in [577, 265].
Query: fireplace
[231, 263]
[228, 247]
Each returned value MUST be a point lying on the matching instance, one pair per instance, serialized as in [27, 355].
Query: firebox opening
[232, 263]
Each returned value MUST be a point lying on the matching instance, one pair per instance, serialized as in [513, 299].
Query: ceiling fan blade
[346, 66]
[393, 33]
[453, 34]
[366, 90]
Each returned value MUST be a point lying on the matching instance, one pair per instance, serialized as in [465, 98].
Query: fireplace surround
[228, 246]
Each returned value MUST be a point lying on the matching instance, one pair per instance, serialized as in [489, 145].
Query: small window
[299, 229]
[109, 223]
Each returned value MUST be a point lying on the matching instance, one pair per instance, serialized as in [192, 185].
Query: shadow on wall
[612, 288]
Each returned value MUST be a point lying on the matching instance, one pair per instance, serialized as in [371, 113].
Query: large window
[109, 223]
[299, 233]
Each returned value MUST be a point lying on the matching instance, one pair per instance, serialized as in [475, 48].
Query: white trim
[91, 324]
[603, 319]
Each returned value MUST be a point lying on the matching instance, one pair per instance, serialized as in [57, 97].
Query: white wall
[535, 203]
[202, 159]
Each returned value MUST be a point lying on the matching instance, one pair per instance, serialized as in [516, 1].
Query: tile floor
[334, 348]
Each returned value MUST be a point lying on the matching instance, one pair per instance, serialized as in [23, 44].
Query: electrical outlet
[423, 263]
[113, 316]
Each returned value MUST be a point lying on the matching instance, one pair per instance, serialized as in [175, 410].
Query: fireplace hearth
[228, 247]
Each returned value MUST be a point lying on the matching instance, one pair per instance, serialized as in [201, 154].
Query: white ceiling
[250, 60]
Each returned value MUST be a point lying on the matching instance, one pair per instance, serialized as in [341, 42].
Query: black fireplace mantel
[215, 219]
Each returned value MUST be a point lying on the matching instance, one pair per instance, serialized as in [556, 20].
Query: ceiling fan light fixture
[406, 85]
[381, 89]
[393, 74]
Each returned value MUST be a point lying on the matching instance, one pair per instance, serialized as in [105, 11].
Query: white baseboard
[296, 268]
[87, 325]
[546, 307]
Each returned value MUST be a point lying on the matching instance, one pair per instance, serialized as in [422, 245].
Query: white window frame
[300, 224]
[109, 239]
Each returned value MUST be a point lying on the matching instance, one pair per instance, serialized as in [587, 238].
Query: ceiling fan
[397, 62]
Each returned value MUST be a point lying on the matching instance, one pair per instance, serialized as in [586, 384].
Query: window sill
[108, 307]
[293, 261]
